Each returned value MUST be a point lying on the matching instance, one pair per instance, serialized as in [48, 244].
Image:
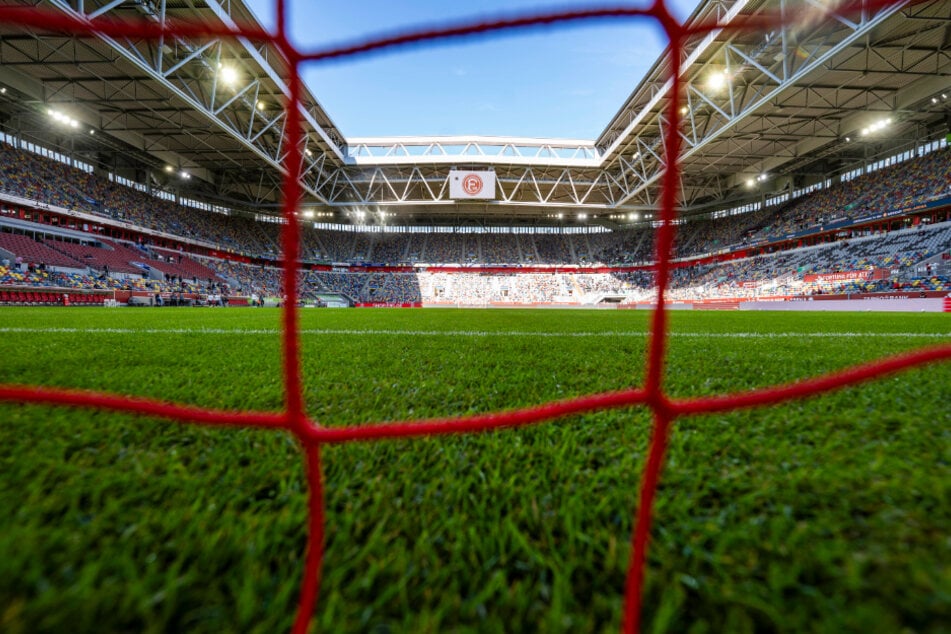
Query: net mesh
[311, 435]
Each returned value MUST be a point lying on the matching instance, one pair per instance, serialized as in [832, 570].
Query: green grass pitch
[826, 515]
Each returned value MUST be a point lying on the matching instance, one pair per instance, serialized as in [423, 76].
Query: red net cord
[309, 433]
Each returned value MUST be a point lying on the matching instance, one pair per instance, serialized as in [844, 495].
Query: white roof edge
[456, 140]
[452, 159]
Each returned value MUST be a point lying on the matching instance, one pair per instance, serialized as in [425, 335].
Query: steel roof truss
[817, 53]
[192, 56]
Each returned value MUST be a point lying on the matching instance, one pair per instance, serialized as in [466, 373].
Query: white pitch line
[462, 333]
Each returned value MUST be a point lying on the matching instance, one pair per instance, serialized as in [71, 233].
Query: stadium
[721, 332]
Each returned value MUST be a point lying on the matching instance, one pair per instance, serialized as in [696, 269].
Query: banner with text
[847, 276]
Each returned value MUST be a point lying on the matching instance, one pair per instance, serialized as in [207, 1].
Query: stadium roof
[790, 102]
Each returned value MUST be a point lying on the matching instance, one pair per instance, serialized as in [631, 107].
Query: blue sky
[561, 82]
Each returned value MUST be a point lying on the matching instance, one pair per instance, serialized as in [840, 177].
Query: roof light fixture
[717, 80]
[228, 75]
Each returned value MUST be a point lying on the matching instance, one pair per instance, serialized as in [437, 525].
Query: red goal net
[309, 432]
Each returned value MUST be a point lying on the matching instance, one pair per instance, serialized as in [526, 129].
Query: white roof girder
[481, 150]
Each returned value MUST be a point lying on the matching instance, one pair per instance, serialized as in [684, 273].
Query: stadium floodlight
[309, 213]
[92, 132]
[560, 216]
[59, 117]
[717, 80]
[750, 183]
[878, 125]
[3, 90]
[582, 216]
[684, 110]
[261, 105]
[228, 75]
[308, 152]
[169, 169]
[185, 175]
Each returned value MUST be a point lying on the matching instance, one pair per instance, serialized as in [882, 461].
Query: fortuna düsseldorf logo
[472, 184]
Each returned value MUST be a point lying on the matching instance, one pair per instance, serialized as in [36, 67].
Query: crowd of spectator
[785, 272]
[899, 186]
[484, 289]
[553, 249]
[781, 273]
[45, 278]
[142, 267]
[52, 183]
